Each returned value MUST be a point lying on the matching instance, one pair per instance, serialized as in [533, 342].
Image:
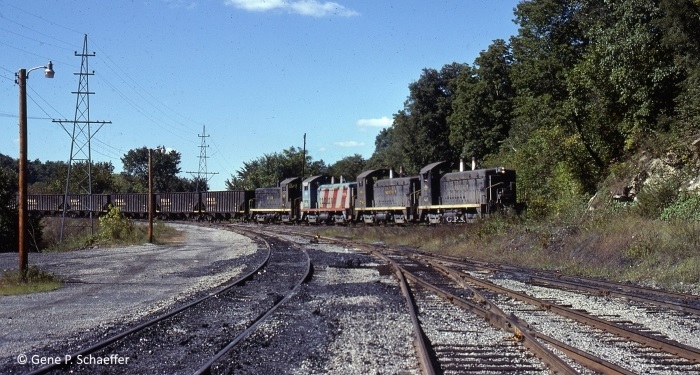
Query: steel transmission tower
[80, 149]
[202, 173]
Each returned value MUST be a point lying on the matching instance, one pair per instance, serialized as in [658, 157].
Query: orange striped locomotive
[436, 195]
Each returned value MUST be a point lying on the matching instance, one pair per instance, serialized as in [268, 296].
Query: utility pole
[303, 158]
[151, 197]
[81, 138]
[23, 215]
[23, 208]
[202, 173]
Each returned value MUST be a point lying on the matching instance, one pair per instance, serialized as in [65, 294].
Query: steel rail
[501, 321]
[603, 288]
[580, 356]
[426, 364]
[668, 346]
[422, 352]
[511, 324]
[556, 275]
[62, 363]
[206, 368]
[545, 281]
[495, 317]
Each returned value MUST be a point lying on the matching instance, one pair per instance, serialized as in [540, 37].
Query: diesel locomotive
[436, 195]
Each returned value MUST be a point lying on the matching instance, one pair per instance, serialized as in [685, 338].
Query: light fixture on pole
[22, 77]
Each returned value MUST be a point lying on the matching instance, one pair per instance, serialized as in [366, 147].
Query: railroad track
[649, 339]
[638, 348]
[196, 337]
[682, 302]
[584, 342]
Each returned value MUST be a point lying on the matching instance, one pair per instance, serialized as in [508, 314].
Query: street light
[22, 77]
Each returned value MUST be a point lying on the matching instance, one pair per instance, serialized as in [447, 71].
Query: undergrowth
[614, 242]
[11, 282]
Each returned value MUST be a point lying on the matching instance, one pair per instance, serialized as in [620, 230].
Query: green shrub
[652, 200]
[685, 208]
[114, 226]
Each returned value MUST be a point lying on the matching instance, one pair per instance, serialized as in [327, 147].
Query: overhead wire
[41, 18]
[173, 121]
[140, 91]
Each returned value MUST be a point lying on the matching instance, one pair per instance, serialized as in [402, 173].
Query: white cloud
[382, 122]
[186, 4]
[349, 144]
[312, 8]
[257, 5]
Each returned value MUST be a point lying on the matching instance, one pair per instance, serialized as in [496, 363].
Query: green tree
[548, 44]
[8, 210]
[634, 71]
[348, 167]
[420, 133]
[387, 151]
[680, 22]
[9, 217]
[270, 169]
[540, 142]
[482, 109]
[166, 166]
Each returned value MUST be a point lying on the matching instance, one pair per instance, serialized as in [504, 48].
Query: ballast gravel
[107, 287]
[350, 318]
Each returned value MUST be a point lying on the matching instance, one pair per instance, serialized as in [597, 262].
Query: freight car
[79, 205]
[436, 195]
[226, 205]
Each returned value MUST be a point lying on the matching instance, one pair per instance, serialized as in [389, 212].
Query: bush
[114, 226]
[685, 208]
[655, 198]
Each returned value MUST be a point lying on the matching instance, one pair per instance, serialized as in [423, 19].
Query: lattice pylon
[80, 149]
[202, 174]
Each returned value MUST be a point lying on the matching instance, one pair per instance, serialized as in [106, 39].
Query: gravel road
[113, 286]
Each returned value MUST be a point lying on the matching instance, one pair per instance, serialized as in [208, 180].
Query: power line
[35, 40]
[43, 19]
[147, 105]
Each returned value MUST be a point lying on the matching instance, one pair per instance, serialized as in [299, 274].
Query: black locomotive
[436, 195]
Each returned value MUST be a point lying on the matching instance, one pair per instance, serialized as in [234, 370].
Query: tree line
[50, 178]
[581, 87]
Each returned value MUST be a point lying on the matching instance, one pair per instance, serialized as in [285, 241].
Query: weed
[11, 282]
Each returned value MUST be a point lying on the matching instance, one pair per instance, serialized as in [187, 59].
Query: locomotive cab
[364, 202]
[278, 203]
[309, 209]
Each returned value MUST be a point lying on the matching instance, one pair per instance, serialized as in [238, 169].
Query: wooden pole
[23, 214]
[151, 198]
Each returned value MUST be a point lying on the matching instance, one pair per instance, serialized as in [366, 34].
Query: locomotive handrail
[494, 185]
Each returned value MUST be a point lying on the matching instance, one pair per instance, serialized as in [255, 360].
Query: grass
[78, 235]
[11, 282]
[615, 244]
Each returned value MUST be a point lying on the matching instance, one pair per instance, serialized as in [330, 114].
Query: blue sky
[257, 73]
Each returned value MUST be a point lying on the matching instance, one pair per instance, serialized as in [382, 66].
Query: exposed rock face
[657, 171]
